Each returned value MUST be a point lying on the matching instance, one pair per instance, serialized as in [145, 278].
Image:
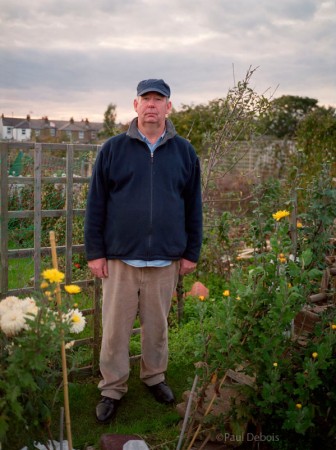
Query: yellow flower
[299, 224]
[282, 258]
[333, 326]
[53, 275]
[44, 285]
[75, 305]
[289, 285]
[314, 355]
[226, 293]
[275, 364]
[201, 297]
[48, 294]
[298, 406]
[72, 289]
[238, 298]
[280, 214]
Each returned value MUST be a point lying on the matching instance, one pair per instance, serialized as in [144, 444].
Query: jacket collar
[132, 131]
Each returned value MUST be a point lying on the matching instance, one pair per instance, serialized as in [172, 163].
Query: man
[143, 228]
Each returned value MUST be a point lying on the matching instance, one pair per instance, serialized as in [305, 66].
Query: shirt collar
[148, 142]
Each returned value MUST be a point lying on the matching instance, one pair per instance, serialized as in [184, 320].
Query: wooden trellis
[37, 178]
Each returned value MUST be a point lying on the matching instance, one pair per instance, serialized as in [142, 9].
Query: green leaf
[306, 258]
[3, 427]
[314, 274]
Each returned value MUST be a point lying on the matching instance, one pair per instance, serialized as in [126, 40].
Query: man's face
[152, 108]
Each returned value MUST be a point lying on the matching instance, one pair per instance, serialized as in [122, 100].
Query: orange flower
[226, 293]
[213, 378]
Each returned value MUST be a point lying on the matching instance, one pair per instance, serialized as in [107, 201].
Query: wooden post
[64, 363]
[3, 218]
[37, 213]
[293, 223]
[180, 300]
[69, 213]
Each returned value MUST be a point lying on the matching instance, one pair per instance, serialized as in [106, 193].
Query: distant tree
[316, 137]
[193, 122]
[285, 114]
[109, 127]
[201, 123]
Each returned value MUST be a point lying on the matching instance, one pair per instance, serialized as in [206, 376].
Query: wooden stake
[64, 363]
[206, 413]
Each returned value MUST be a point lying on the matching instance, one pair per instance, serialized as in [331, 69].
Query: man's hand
[98, 267]
[186, 266]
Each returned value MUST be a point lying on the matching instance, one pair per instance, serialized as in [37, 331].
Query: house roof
[11, 121]
[23, 124]
[40, 124]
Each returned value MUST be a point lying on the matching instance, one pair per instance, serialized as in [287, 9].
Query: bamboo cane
[64, 363]
[186, 416]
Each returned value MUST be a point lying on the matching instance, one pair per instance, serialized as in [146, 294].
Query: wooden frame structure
[37, 179]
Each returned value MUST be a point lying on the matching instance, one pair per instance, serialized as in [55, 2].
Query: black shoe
[162, 393]
[106, 409]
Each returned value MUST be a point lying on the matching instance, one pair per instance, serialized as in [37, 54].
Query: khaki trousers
[129, 291]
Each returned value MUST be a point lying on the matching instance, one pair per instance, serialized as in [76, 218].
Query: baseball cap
[153, 85]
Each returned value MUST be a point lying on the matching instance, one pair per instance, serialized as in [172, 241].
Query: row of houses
[27, 129]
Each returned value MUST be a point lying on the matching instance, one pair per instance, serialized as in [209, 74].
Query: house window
[9, 130]
[37, 132]
[52, 132]
[93, 134]
[23, 131]
[81, 135]
[68, 133]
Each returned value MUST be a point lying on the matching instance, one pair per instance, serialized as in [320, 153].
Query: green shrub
[252, 323]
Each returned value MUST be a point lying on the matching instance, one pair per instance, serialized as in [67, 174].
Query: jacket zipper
[151, 204]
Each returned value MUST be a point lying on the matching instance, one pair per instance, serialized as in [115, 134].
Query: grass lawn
[20, 272]
[139, 413]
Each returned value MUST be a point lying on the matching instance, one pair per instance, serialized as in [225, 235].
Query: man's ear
[169, 107]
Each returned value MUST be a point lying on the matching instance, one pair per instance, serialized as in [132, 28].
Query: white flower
[8, 304]
[69, 345]
[29, 307]
[12, 322]
[294, 259]
[76, 320]
[10, 348]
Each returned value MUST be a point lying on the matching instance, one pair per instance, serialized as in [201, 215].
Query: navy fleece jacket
[142, 205]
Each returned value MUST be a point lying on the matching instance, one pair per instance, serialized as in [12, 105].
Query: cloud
[76, 57]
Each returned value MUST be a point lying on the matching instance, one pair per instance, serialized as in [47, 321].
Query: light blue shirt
[141, 262]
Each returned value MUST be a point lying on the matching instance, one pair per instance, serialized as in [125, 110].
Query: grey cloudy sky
[72, 58]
